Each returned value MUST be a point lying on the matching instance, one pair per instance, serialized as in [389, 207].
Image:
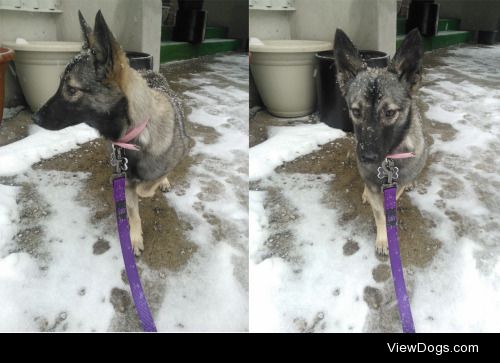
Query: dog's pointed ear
[347, 60]
[407, 62]
[104, 48]
[86, 31]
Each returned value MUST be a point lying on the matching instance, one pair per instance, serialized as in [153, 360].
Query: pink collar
[130, 135]
[401, 156]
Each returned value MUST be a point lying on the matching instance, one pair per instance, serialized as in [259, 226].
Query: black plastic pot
[190, 26]
[190, 4]
[423, 15]
[138, 60]
[487, 36]
[332, 107]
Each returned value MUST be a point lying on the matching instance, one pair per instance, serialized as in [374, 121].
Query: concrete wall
[371, 24]
[474, 14]
[270, 24]
[232, 14]
[135, 23]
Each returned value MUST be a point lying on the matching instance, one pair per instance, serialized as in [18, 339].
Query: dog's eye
[390, 113]
[356, 112]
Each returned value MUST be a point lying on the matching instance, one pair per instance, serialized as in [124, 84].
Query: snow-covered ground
[312, 260]
[61, 266]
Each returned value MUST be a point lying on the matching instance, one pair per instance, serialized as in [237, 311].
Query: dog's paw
[411, 186]
[137, 243]
[382, 247]
[165, 186]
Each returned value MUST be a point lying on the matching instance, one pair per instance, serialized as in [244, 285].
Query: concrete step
[443, 25]
[171, 51]
[211, 32]
[442, 39]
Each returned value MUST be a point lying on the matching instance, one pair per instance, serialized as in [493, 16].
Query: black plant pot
[424, 16]
[332, 107]
[190, 4]
[487, 37]
[138, 60]
[190, 26]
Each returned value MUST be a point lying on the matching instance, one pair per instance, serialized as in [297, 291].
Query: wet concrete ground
[418, 244]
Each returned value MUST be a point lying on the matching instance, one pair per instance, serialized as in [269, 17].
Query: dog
[386, 119]
[99, 88]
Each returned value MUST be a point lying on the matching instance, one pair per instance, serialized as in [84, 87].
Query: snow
[41, 144]
[10, 112]
[21, 41]
[290, 292]
[213, 286]
[50, 278]
[287, 143]
[255, 41]
[302, 281]
[461, 288]
[41, 283]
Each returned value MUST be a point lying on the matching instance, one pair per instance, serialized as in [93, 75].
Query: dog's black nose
[36, 119]
[369, 157]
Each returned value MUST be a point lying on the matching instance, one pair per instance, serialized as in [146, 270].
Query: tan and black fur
[99, 88]
[382, 106]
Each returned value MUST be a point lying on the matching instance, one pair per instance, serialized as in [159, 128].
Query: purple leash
[140, 301]
[389, 171]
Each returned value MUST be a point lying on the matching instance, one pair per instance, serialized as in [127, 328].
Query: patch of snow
[286, 144]
[460, 290]
[11, 112]
[214, 283]
[18, 157]
[314, 287]
[46, 285]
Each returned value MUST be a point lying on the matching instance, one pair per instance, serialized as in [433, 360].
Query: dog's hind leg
[134, 220]
[377, 203]
[148, 188]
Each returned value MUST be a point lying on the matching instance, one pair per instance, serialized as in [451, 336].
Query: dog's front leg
[134, 220]
[376, 201]
[148, 189]
[400, 192]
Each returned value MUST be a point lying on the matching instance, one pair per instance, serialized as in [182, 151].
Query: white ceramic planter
[39, 66]
[284, 74]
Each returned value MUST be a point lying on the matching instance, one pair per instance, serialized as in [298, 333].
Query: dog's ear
[347, 60]
[105, 48]
[86, 31]
[407, 63]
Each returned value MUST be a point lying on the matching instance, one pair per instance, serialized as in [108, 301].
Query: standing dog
[99, 88]
[385, 116]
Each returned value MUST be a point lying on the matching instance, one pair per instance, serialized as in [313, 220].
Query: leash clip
[118, 160]
[388, 171]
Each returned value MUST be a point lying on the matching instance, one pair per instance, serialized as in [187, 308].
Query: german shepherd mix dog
[386, 120]
[99, 88]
